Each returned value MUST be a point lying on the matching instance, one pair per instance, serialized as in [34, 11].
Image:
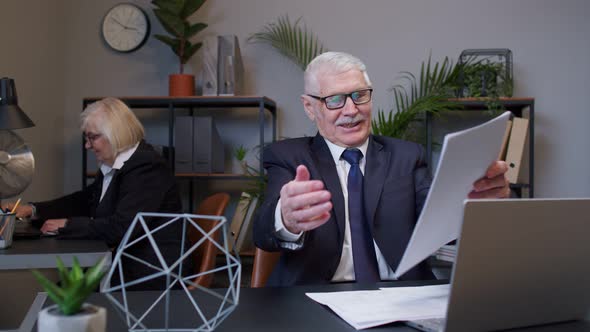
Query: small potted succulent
[71, 313]
[240, 155]
[174, 15]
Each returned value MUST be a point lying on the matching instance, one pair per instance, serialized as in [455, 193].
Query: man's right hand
[305, 204]
[22, 211]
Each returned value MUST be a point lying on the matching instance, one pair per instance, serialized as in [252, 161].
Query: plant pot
[91, 319]
[181, 85]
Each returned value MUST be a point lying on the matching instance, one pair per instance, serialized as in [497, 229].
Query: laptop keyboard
[429, 325]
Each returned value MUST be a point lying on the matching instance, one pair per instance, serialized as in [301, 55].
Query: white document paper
[364, 309]
[465, 157]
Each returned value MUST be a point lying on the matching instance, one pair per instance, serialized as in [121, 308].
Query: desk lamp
[17, 164]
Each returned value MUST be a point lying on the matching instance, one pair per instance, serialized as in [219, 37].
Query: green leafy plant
[75, 285]
[173, 15]
[240, 153]
[485, 78]
[293, 40]
[430, 92]
[256, 187]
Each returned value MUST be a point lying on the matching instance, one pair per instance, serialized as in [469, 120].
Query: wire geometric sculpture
[200, 309]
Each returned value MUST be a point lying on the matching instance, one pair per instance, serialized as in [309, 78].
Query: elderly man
[341, 206]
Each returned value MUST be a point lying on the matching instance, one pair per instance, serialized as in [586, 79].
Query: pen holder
[6, 229]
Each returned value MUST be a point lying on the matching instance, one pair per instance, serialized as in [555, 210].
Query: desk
[18, 287]
[286, 309]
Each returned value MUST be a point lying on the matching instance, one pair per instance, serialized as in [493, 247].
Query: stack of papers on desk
[364, 309]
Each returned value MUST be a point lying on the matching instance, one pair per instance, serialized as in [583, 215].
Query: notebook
[520, 262]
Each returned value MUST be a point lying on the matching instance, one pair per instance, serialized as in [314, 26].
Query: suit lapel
[328, 173]
[375, 173]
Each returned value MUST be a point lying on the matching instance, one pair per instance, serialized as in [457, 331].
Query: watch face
[125, 27]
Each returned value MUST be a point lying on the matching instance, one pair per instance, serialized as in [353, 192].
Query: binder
[516, 147]
[245, 241]
[208, 75]
[198, 146]
[502, 155]
[183, 144]
[230, 69]
[238, 219]
[208, 152]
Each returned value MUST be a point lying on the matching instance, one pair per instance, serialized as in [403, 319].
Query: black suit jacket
[144, 183]
[395, 188]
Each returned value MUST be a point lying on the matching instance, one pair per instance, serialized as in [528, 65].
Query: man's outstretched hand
[305, 204]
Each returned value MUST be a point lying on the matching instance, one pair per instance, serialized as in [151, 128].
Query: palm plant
[429, 93]
[173, 15]
[292, 40]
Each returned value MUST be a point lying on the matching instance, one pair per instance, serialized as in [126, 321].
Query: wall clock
[125, 27]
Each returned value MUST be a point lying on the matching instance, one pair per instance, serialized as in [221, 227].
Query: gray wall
[68, 61]
[32, 48]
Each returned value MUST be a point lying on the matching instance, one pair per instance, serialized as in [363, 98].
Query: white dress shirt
[109, 171]
[345, 270]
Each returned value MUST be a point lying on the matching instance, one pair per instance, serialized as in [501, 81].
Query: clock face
[125, 27]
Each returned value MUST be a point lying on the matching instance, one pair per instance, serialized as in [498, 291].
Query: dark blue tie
[363, 250]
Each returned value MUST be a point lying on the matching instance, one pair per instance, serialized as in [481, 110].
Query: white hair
[333, 63]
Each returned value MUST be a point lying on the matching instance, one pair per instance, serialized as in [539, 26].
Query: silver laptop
[520, 262]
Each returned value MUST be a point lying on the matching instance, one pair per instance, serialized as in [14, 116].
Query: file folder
[516, 147]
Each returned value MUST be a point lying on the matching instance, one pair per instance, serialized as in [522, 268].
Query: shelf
[194, 104]
[172, 104]
[194, 101]
[224, 176]
[515, 105]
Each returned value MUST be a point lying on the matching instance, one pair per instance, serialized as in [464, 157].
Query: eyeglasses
[335, 102]
[91, 138]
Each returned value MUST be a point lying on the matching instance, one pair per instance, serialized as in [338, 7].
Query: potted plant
[173, 15]
[71, 313]
[294, 41]
[240, 155]
[430, 93]
[255, 188]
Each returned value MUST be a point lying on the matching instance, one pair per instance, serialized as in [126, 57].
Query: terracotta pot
[181, 85]
[90, 319]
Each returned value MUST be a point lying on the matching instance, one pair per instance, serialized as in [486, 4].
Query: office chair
[264, 262]
[204, 256]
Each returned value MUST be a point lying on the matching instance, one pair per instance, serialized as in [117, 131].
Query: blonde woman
[132, 178]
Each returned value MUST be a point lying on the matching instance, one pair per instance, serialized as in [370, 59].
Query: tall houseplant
[71, 313]
[174, 15]
[430, 92]
[293, 40]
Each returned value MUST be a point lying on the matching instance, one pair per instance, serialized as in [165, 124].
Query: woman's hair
[332, 63]
[115, 121]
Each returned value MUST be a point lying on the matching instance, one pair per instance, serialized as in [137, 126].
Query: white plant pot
[91, 319]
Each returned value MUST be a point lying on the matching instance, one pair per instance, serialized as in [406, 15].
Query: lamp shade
[11, 115]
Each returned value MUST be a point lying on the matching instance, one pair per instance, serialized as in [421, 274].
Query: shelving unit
[520, 107]
[194, 104]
